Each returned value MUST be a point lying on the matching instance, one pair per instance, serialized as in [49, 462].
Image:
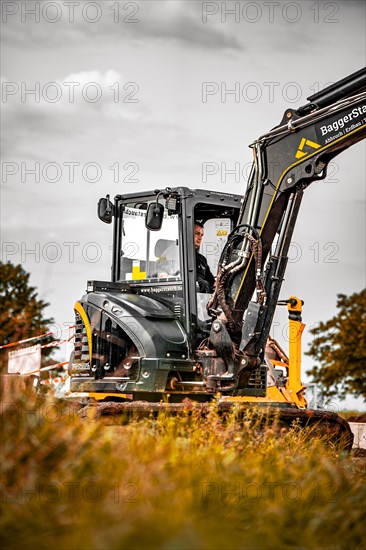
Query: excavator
[152, 340]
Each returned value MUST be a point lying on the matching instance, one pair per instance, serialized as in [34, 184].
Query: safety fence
[27, 360]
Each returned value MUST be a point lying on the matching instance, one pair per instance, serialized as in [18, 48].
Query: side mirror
[154, 216]
[105, 210]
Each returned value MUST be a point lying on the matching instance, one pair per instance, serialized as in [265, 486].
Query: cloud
[179, 22]
[72, 107]
[186, 26]
[89, 90]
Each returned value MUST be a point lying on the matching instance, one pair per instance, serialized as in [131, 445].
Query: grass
[350, 414]
[173, 483]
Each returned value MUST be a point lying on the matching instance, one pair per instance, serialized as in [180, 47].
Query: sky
[115, 97]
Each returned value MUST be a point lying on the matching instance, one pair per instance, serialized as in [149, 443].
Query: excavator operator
[205, 279]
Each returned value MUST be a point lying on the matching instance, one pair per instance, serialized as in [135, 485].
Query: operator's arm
[205, 278]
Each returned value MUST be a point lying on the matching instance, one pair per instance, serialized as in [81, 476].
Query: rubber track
[323, 423]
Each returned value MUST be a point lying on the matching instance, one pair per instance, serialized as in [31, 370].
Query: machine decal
[339, 126]
[161, 289]
[305, 142]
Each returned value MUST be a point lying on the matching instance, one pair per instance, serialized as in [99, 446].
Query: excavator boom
[286, 160]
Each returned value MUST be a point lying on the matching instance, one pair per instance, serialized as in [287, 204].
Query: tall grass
[173, 483]
[351, 414]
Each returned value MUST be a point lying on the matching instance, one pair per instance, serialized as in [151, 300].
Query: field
[175, 483]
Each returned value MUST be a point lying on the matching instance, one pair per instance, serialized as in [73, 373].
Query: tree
[339, 345]
[21, 312]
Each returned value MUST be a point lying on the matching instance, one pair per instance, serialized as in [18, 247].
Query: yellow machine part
[293, 392]
[101, 396]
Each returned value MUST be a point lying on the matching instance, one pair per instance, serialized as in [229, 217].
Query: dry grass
[175, 483]
[351, 414]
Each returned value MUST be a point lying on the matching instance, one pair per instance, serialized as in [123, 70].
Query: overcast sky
[135, 95]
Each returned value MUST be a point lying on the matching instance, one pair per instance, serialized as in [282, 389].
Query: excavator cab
[157, 258]
[152, 313]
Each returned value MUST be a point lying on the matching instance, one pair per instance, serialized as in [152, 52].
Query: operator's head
[198, 234]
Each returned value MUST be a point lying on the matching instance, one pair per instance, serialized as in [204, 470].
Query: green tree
[339, 346]
[21, 312]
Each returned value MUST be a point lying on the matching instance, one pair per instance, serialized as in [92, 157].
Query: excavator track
[324, 424]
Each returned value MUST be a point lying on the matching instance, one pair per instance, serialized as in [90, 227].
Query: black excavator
[151, 339]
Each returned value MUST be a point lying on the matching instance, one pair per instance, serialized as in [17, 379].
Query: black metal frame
[188, 199]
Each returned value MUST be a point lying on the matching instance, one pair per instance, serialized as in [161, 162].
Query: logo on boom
[305, 142]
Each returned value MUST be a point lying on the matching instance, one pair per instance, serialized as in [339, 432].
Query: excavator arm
[286, 160]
